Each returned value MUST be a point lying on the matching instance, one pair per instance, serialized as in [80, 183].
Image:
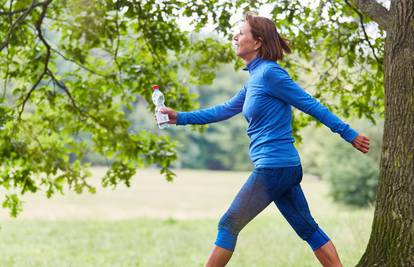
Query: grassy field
[155, 223]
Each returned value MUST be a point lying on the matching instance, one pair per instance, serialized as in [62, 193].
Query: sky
[184, 22]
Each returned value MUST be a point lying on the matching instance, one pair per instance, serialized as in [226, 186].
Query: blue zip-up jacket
[266, 100]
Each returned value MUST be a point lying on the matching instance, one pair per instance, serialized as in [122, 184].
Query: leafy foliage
[353, 181]
[71, 69]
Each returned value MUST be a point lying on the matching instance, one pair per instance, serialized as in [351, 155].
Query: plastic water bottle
[158, 100]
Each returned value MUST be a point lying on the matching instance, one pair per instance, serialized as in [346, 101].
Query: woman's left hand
[361, 143]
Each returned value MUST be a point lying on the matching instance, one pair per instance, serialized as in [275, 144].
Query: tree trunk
[392, 237]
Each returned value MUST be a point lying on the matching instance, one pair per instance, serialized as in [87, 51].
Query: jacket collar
[253, 64]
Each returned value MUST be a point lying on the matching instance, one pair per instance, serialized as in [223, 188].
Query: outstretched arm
[280, 85]
[209, 115]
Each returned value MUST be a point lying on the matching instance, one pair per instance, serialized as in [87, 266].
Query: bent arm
[280, 85]
[214, 114]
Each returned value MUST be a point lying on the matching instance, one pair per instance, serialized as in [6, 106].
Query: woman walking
[265, 101]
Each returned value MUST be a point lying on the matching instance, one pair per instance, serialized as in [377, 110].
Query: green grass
[155, 223]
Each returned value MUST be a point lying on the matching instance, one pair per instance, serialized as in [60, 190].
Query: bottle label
[162, 118]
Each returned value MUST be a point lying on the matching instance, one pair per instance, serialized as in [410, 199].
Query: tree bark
[375, 11]
[392, 237]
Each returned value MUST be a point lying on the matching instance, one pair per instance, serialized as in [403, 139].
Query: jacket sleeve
[216, 113]
[280, 85]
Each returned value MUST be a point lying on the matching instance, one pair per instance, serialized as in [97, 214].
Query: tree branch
[78, 64]
[66, 90]
[30, 93]
[40, 33]
[374, 11]
[84, 114]
[67, 23]
[118, 38]
[67, 58]
[361, 19]
[18, 21]
[6, 76]
[47, 58]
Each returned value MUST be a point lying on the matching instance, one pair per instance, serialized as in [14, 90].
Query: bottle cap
[155, 87]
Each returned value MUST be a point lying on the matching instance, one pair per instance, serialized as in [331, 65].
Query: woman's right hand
[172, 114]
[361, 143]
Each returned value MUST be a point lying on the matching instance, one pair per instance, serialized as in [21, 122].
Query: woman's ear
[259, 42]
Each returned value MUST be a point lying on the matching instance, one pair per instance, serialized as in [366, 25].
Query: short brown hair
[273, 45]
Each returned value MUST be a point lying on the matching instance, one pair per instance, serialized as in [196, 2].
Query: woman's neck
[249, 58]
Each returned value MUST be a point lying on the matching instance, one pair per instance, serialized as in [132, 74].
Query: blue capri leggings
[280, 185]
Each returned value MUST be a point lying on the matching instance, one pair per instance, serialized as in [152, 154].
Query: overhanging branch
[67, 92]
[361, 19]
[374, 11]
[18, 21]
[47, 58]
[83, 113]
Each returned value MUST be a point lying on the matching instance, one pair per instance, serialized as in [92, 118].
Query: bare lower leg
[328, 256]
[219, 257]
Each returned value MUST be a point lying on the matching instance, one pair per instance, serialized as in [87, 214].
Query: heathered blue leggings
[280, 185]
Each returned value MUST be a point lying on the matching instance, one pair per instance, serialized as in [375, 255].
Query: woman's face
[246, 46]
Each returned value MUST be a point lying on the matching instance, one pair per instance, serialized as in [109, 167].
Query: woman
[266, 101]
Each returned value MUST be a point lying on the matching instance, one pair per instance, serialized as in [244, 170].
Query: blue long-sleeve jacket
[266, 100]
